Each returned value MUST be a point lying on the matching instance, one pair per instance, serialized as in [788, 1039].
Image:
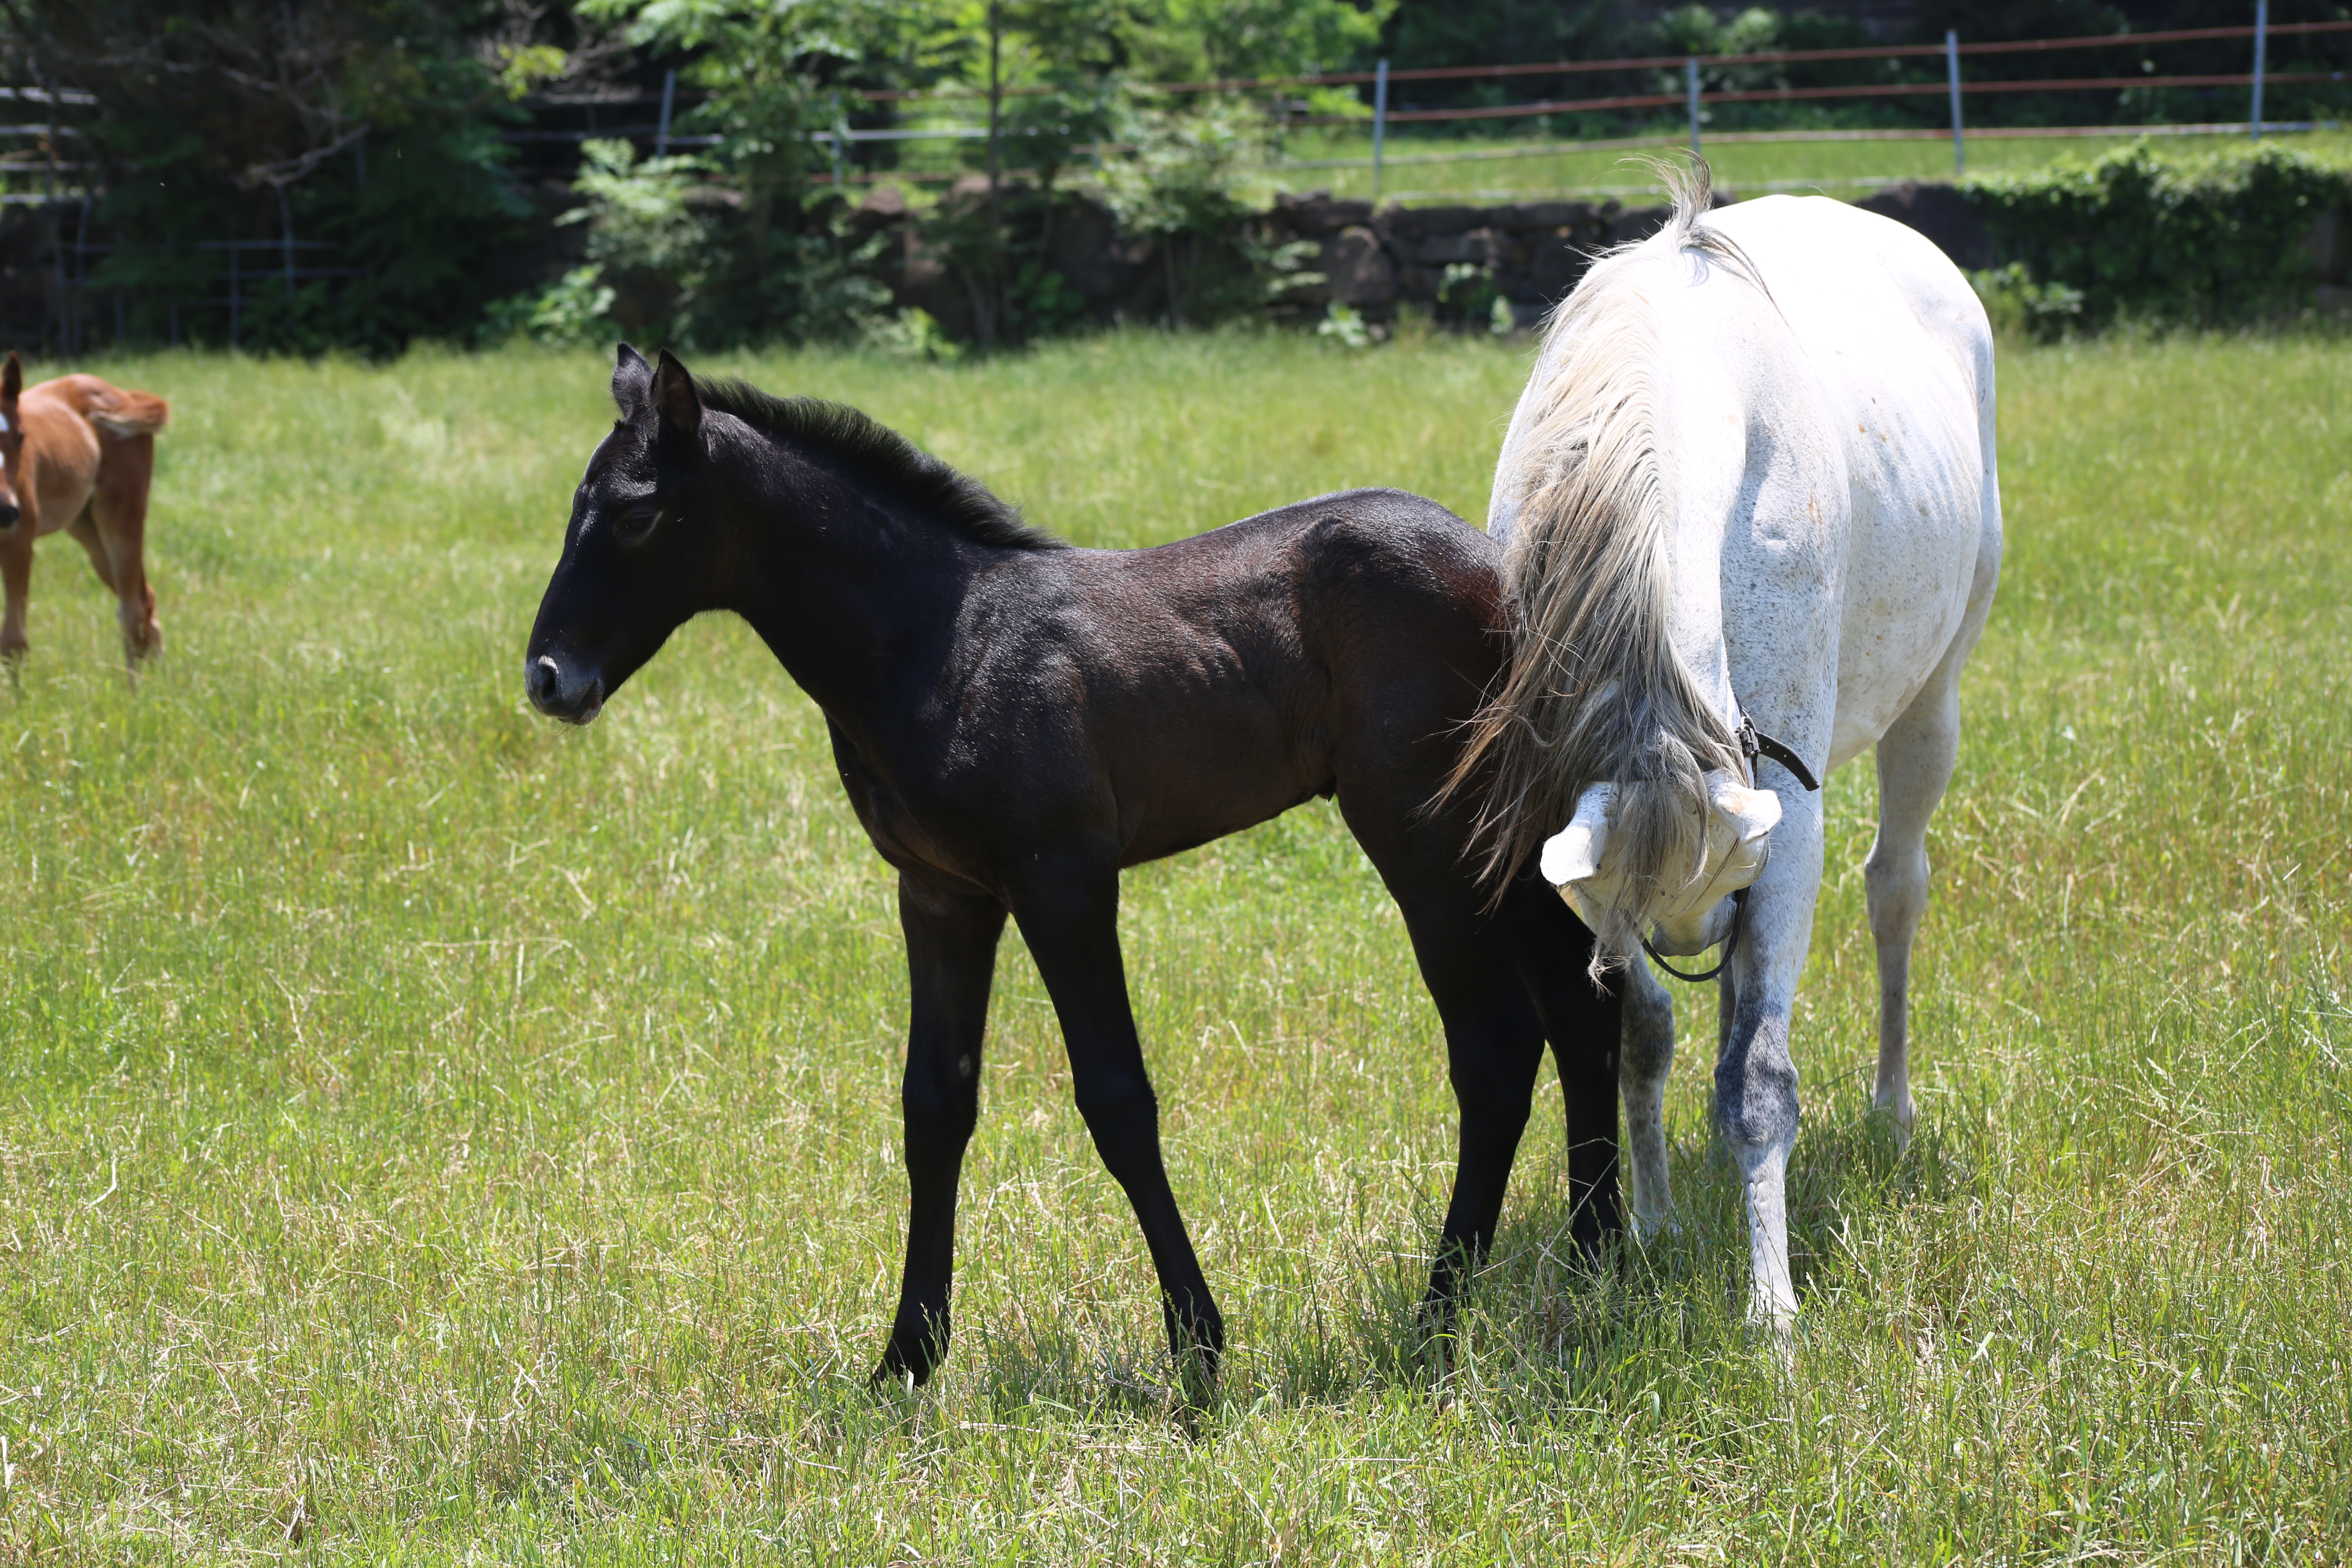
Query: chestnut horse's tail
[121, 411]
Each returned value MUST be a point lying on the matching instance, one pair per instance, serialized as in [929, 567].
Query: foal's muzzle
[560, 692]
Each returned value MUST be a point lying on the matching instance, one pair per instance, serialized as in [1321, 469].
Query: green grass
[1535, 170]
[430, 1134]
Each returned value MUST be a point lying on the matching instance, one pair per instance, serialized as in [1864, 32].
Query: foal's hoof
[906, 1365]
[1196, 1381]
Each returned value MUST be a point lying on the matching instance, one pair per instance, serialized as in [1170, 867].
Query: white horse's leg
[1755, 1076]
[1645, 1054]
[1915, 765]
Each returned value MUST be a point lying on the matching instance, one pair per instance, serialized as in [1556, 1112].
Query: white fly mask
[1739, 823]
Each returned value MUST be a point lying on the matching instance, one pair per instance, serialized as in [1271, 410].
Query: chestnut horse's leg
[117, 506]
[1067, 909]
[85, 532]
[951, 958]
[17, 579]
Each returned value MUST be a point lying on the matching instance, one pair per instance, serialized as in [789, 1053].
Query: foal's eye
[632, 527]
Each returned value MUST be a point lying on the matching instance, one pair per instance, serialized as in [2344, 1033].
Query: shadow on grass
[1541, 1335]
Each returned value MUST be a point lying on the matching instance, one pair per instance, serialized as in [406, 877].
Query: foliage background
[385, 134]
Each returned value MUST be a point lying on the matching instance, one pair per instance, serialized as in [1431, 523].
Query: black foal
[1016, 721]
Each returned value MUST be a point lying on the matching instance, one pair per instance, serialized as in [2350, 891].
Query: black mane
[884, 456]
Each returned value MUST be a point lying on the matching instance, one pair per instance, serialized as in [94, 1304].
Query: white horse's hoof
[1778, 1333]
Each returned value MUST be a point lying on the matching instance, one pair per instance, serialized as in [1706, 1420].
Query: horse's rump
[120, 411]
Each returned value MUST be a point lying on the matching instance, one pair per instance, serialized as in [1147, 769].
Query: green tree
[373, 128]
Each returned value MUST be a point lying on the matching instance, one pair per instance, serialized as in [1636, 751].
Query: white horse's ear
[1573, 854]
[1750, 813]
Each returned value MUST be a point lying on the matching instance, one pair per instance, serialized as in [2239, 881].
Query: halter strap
[1731, 943]
[1754, 742]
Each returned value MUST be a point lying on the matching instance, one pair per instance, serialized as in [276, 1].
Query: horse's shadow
[1541, 1331]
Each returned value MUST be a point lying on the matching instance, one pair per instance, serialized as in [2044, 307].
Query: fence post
[74, 343]
[669, 96]
[1952, 69]
[2262, 41]
[1690, 78]
[57, 258]
[286, 238]
[1379, 123]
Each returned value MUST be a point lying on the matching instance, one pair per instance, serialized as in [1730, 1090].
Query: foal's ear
[632, 378]
[12, 378]
[679, 405]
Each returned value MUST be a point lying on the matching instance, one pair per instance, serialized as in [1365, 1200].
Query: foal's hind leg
[84, 529]
[1493, 1046]
[117, 508]
[950, 957]
[1067, 908]
[1915, 765]
[1503, 984]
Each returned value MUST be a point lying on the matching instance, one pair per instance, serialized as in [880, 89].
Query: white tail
[1596, 695]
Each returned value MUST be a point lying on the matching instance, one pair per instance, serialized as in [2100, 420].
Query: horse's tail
[121, 411]
[1595, 691]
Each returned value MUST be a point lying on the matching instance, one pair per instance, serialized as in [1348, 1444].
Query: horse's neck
[854, 592]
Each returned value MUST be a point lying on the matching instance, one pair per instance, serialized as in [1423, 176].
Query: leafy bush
[2017, 304]
[2132, 234]
[670, 260]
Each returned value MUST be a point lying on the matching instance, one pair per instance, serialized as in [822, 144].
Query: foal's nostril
[541, 680]
[7, 515]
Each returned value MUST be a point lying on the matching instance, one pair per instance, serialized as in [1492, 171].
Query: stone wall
[1453, 260]
[1461, 264]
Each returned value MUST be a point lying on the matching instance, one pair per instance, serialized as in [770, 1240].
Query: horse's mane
[1595, 691]
[884, 456]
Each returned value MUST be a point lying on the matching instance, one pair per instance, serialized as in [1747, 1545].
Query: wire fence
[1695, 98]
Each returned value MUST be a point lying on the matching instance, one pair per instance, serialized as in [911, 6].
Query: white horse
[1752, 483]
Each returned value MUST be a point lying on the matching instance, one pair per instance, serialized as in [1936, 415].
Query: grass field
[428, 1135]
[1477, 170]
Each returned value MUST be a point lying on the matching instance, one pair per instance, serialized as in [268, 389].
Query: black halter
[1753, 743]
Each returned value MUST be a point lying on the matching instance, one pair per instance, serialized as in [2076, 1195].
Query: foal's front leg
[1067, 909]
[951, 958]
[16, 583]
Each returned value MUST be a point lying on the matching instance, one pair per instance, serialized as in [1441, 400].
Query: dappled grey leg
[1915, 765]
[1754, 1075]
[1645, 1057]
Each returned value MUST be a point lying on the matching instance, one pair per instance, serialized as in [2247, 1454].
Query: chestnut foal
[77, 455]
